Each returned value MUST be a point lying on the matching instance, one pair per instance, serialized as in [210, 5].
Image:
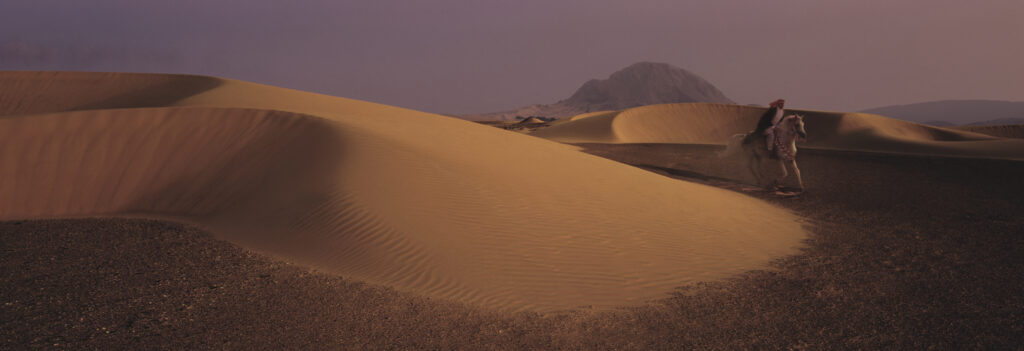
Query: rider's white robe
[770, 131]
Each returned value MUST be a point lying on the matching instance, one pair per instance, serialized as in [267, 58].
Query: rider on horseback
[766, 125]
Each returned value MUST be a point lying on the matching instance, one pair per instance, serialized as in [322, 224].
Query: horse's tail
[733, 147]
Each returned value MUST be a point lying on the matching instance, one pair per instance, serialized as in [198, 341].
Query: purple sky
[467, 56]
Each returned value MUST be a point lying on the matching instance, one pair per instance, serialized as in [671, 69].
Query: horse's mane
[788, 121]
[789, 118]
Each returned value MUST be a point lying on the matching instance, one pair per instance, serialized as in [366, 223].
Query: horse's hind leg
[753, 165]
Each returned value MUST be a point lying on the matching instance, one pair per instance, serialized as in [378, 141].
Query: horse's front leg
[778, 181]
[796, 171]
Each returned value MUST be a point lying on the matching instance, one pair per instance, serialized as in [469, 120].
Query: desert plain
[190, 212]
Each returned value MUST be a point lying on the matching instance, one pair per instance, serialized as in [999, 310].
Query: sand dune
[698, 123]
[27, 92]
[1004, 131]
[423, 203]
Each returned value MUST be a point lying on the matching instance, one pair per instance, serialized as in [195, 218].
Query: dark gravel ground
[905, 253]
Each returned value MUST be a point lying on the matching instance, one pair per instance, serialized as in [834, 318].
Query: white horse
[787, 132]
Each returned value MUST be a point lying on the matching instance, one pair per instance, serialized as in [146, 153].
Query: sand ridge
[700, 123]
[32, 92]
[424, 203]
[1003, 131]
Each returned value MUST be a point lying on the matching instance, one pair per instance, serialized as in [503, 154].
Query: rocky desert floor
[905, 252]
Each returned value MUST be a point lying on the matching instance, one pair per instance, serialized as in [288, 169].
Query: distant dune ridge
[639, 84]
[1000, 131]
[714, 123]
[956, 112]
[424, 203]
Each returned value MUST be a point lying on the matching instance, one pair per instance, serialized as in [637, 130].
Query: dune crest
[700, 123]
[424, 203]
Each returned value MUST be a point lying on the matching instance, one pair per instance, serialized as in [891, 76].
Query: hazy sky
[466, 56]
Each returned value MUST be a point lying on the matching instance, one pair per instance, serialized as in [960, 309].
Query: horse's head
[796, 122]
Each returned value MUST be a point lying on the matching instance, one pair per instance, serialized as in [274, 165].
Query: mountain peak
[645, 83]
[641, 83]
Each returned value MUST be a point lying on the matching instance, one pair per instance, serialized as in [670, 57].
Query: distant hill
[532, 120]
[956, 112]
[999, 122]
[643, 83]
[939, 123]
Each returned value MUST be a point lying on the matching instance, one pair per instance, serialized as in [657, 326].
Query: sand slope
[424, 203]
[714, 123]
